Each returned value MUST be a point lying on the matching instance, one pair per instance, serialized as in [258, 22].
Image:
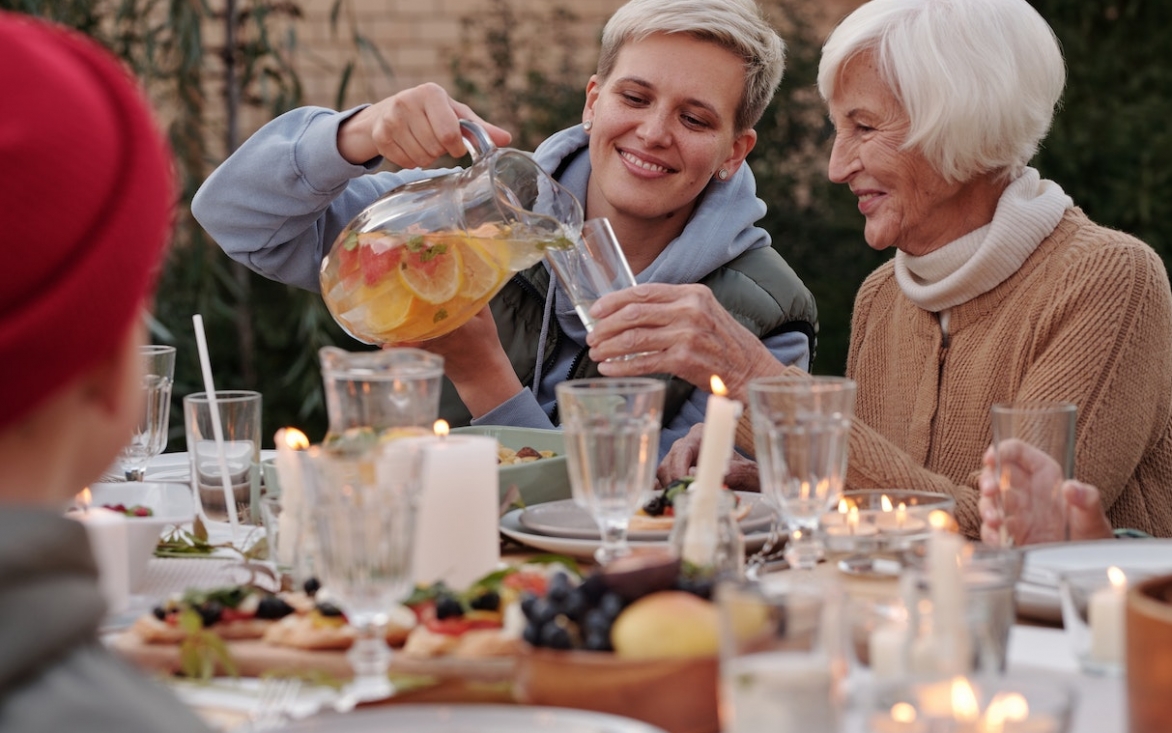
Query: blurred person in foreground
[666, 127]
[87, 189]
[1001, 289]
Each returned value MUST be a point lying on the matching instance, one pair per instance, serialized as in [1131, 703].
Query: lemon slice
[388, 310]
[432, 272]
[485, 266]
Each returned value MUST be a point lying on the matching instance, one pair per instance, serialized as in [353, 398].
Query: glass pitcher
[373, 395]
[424, 258]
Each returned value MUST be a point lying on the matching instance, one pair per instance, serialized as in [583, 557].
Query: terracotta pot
[1149, 655]
[678, 695]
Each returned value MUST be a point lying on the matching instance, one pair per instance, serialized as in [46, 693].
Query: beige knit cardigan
[1086, 319]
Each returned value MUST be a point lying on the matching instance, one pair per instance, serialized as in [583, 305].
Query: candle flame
[844, 506]
[296, 439]
[964, 700]
[84, 498]
[718, 387]
[885, 503]
[1007, 707]
[903, 712]
[940, 520]
[852, 519]
[1117, 577]
[441, 428]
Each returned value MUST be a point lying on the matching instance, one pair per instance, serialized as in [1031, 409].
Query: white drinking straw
[217, 430]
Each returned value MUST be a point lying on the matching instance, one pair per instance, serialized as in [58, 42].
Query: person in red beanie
[87, 192]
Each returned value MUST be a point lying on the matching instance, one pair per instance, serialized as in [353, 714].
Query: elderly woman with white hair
[1001, 289]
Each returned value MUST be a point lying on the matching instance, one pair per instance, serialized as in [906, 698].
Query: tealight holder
[873, 531]
[1002, 704]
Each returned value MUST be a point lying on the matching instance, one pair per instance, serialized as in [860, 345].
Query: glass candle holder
[1009, 704]
[879, 531]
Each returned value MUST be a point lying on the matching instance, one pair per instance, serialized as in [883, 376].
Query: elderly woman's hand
[681, 460]
[678, 329]
[1034, 514]
[411, 129]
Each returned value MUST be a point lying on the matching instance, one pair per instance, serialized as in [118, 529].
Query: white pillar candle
[107, 533]
[1105, 614]
[288, 442]
[457, 535]
[946, 589]
[716, 447]
[887, 651]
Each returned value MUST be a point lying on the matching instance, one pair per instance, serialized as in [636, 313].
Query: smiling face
[907, 203]
[662, 127]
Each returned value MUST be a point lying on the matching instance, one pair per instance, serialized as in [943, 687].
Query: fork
[276, 698]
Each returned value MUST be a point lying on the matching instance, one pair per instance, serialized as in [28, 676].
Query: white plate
[512, 528]
[566, 519]
[177, 467]
[471, 719]
[1037, 591]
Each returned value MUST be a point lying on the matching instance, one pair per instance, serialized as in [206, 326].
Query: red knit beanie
[86, 195]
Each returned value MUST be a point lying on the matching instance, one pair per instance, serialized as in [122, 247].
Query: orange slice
[388, 309]
[431, 269]
[485, 266]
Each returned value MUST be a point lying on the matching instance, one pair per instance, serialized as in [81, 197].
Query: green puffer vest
[758, 288]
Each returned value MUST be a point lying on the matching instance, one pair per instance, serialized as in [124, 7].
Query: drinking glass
[239, 414]
[1031, 501]
[801, 426]
[780, 652]
[150, 435]
[591, 266]
[363, 512]
[611, 428]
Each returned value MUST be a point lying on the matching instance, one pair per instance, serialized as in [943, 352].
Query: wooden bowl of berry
[636, 639]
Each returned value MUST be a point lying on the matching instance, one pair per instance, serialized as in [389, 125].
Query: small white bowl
[170, 504]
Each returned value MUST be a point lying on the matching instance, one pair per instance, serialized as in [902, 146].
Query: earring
[722, 174]
[587, 125]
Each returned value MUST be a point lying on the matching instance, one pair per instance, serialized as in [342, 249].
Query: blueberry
[489, 600]
[559, 587]
[596, 620]
[542, 612]
[532, 634]
[597, 641]
[575, 605]
[448, 607]
[273, 607]
[593, 587]
[528, 601]
[611, 604]
[210, 612]
[312, 586]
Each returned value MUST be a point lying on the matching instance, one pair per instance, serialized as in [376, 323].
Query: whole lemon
[667, 624]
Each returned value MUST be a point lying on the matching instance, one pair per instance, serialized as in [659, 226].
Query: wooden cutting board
[254, 658]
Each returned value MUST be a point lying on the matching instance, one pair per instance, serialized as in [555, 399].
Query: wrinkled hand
[686, 332]
[476, 363]
[1031, 511]
[681, 460]
[412, 129]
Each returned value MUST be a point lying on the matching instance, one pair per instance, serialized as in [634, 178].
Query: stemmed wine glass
[801, 426]
[363, 508]
[611, 428]
[150, 435]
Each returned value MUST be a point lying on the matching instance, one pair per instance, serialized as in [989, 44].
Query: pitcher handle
[476, 140]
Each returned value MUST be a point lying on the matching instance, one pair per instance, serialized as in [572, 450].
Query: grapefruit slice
[485, 266]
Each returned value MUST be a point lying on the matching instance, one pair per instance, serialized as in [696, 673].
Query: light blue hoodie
[279, 202]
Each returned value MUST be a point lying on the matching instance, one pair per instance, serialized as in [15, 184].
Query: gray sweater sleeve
[278, 203]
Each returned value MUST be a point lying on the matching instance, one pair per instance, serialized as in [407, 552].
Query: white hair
[979, 79]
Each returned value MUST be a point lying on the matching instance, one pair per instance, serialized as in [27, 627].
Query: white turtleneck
[1027, 212]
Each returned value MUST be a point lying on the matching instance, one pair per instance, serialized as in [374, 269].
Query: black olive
[312, 586]
[448, 607]
[160, 613]
[328, 609]
[489, 600]
[210, 612]
[656, 506]
[273, 607]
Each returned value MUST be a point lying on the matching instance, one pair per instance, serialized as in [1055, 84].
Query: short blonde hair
[979, 79]
[735, 25]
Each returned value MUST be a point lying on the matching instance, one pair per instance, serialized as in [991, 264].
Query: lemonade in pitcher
[395, 288]
[422, 260]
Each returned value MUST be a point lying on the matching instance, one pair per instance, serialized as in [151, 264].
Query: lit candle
[848, 521]
[897, 521]
[946, 579]
[1105, 614]
[886, 651]
[289, 441]
[716, 446]
[107, 534]
[457, 535]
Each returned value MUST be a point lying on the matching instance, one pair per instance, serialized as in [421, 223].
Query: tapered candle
[288, 442]
[716, 446]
